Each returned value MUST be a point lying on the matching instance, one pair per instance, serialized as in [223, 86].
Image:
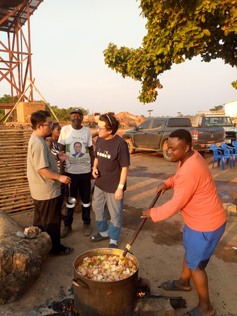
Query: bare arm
[62, 169]
[47, 173]
[96, 133]
[91, 153]
[49, 143]
[161, 187]
[123, 177]
[95, 172]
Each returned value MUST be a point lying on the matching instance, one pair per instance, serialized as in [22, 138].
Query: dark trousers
[83, 183]
[47, 216]
[63, 185]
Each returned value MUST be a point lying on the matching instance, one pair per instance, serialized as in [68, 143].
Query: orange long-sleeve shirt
[194, 195]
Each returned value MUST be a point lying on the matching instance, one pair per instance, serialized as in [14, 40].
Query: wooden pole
[16, 104]
[44, 100]
[31, 90]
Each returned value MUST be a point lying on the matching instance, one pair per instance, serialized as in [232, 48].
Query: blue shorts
[199, 246]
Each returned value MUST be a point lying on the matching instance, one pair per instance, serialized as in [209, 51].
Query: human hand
[146, 213]
[118, 194]
[62, 156]
[161, 188]
[64, 179]
[95, 172]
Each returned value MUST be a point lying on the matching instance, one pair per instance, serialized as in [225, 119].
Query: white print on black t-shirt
[105, 154]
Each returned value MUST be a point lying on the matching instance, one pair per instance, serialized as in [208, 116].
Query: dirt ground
[158, 247]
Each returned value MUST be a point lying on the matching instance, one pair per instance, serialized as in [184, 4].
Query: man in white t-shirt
[78, 167]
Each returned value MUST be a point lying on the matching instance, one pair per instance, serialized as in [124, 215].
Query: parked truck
[217, 119]
[153, 135]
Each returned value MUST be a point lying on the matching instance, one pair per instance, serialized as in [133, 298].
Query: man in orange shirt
[204, 216]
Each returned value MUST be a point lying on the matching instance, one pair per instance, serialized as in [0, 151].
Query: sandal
[98, 237]
[170, 286]
[64, 252]
[195, 312]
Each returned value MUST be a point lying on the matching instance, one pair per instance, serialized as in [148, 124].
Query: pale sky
[68, 39]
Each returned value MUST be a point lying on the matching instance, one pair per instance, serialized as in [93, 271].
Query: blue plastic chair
[229, 151]
[234, 143]
[219, 156]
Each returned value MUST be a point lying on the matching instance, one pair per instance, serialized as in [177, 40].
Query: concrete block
[230, 209]
[225, 206]
[153, 307]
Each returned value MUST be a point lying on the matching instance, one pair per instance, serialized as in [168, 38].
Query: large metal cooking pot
[96, 298]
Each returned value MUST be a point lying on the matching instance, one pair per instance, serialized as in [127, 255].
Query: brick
[159, 306]
[230, 209]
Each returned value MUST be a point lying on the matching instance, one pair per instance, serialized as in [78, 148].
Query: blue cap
[76, 111]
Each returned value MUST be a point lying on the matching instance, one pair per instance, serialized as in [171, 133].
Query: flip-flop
[170, 286]
[195, 312]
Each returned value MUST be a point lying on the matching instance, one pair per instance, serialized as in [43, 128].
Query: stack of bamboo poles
[14, 188]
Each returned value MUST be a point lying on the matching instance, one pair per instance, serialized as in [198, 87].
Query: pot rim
[111, 249]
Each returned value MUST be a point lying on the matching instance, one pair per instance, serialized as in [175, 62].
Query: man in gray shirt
[45, 181]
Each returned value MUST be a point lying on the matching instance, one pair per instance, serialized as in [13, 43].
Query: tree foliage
[217, 108]
[61, 114]
[6, 98]
[64, 114]
[177, 30]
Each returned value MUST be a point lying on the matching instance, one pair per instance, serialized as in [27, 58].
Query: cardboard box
[25, 109]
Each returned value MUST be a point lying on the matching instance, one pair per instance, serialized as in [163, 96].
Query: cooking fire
[63, 308]
[66, 306]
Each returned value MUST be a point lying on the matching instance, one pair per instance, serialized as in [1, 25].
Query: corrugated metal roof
[20, 14]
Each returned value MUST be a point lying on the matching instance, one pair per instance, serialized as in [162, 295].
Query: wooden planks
[14, 189]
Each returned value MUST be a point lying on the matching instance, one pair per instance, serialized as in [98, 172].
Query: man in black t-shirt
[110, 171]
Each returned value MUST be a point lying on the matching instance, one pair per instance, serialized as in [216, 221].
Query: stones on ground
[20, 234]
[153, 307]
[230, 209]
[32, 232]
[20, 257]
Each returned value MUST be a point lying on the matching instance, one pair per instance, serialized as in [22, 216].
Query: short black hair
[55, 124]
[182, 134]
[110, 122]
[38, 117]
[77, 143]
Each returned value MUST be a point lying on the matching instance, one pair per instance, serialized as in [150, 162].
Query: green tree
[217, 108]
[64, 114]
[177, 30]
[6, 98]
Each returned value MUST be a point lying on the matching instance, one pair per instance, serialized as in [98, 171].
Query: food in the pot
[106, 268]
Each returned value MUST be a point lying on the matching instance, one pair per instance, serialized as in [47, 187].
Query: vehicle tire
[165, 151]
[130, 146]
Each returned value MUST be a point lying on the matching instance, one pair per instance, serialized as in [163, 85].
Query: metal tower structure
[15, 51]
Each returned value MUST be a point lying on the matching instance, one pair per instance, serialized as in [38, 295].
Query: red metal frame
[15, 54]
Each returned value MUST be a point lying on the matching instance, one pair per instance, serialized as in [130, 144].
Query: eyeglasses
[100, 129]
[49, 125]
